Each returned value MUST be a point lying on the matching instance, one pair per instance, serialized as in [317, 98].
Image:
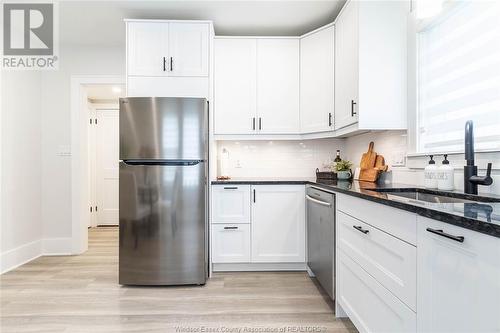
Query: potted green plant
[343, 169]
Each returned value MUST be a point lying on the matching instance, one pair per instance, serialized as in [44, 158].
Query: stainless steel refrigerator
[163, 191]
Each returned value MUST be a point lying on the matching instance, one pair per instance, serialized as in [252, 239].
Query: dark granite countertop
[482, 215]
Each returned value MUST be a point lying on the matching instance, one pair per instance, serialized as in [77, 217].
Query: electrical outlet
[398, 159]
[238, 164]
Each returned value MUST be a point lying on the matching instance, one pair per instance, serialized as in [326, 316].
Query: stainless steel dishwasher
[321, 237]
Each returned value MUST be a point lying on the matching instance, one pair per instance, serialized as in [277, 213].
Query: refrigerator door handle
[164, 162]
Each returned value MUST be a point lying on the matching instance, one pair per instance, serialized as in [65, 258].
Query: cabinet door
[231, 204]
[188, 46]
[316, 81]
[278, 223]
[235, 86]
[346, 66]
[147, 48]
[459, 282]
[278, 86]
[230, 243]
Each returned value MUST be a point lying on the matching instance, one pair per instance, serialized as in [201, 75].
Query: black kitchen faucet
[471, 179]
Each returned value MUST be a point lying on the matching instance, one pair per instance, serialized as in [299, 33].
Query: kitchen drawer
[370, 306]
[389, 260]
[231, 204]
[230, 243]
[397, 222]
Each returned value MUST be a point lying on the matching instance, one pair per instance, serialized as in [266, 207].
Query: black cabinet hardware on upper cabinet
[359, 228]
[439, 232]
[260, 123]
[164, 64]
[253, 123]
[253, 195]
[230, 228]
[231, 188]
[171, 64]
[329, 119]
[353, 113]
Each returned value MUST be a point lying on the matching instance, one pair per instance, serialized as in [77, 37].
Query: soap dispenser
[430, 174]
[446, 177]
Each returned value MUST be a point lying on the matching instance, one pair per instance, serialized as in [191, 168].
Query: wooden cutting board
[380, 163]
[369, 158]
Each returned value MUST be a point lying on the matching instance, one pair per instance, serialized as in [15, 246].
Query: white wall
[21, 168]
[56, 130]
[278, 159]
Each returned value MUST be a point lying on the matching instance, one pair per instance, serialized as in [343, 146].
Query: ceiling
[105, 91]
[101, 22]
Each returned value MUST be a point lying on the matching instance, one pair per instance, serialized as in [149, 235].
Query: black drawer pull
[360, 228]
[230, 228]
[231, 188]
[459, 239]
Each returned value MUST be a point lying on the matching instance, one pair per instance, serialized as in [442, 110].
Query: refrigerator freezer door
[163, 128]
[162, 224]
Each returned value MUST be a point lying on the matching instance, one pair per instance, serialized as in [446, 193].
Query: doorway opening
[103, 153]
[94, 154]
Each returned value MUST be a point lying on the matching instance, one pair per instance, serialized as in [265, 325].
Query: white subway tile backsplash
[278, 159]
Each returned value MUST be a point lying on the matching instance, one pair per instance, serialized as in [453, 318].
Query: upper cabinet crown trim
[317, 30]
[257, 37]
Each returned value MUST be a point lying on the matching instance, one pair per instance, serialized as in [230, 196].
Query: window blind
[459, 78]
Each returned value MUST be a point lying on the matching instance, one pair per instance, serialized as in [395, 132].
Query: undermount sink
[433, 196]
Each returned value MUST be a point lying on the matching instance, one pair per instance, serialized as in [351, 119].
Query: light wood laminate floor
[81, 294]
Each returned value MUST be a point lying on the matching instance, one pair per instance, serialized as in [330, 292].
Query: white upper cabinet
[147, 48]
[169, 58]
[371, 66]
[235, 86]
[256, 86]
[458, 279]
[278, 86]
[188, 45]
[317, 81]
[346, 66]
[167, 49]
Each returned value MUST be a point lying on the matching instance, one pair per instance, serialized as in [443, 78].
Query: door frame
[79, 157]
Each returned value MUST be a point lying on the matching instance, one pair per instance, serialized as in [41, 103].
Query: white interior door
[92, 165]
[107, 143]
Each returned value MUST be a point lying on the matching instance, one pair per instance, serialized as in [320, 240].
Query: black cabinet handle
[231, 188]
[230, 228]
[164, 64]
[253, 123]
[353, 113]
[439, 232]
[260, 123]
[171, 64]
[359, 228]
[329, 119]
[254, 195]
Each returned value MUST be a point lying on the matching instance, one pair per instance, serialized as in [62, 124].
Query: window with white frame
[458, 70]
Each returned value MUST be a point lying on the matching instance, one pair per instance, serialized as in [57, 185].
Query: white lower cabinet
[278, 223]
[369, 305]
[230, 243]
[459, 281]
[388, 259]
[275, 232]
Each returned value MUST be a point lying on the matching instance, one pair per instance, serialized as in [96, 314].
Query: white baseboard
[57, 246]
[20, 255]
[248, 267]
